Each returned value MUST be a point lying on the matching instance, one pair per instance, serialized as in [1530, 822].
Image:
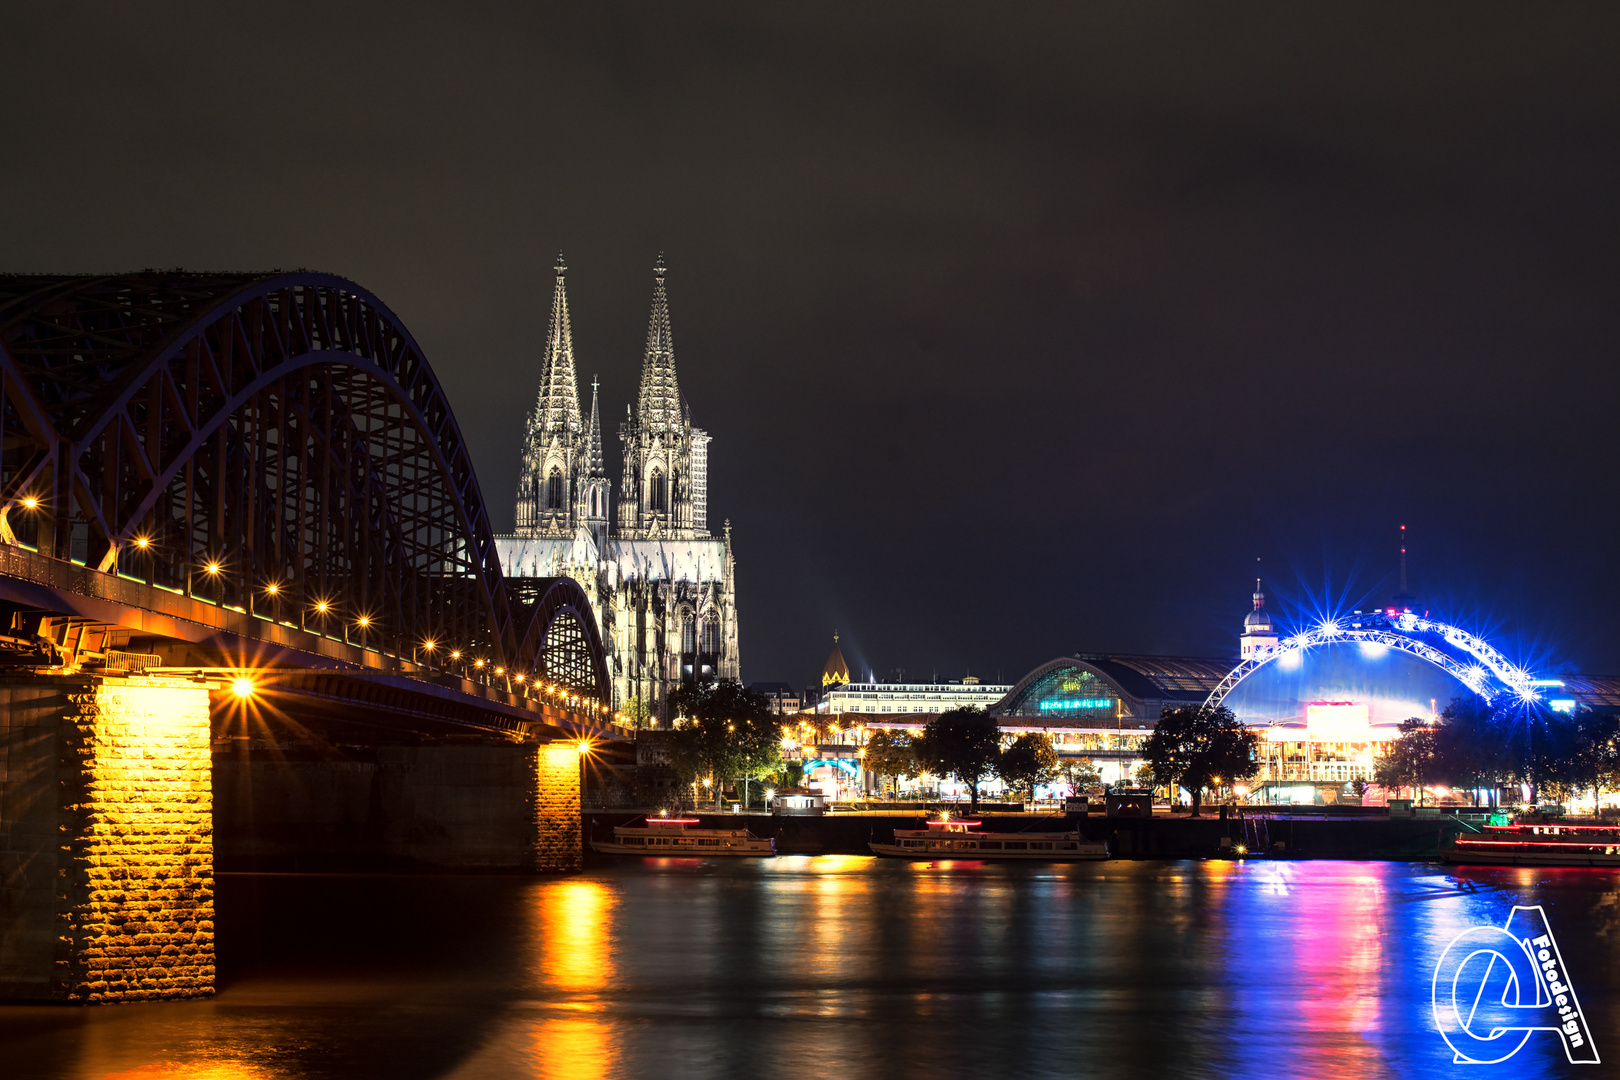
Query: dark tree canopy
[1029, 761]
[1478, 746]
[890, 754]
[1192, 745]
[964, 742]
[723, 730]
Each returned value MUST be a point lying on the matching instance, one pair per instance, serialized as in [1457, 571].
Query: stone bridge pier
[120, 796]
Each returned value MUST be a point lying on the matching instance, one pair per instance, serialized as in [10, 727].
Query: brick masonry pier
[106, 839]
[117, 800]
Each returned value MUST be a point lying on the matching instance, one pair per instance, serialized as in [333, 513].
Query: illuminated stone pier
[106, 839]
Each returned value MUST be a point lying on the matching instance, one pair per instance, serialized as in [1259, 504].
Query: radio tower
[1403, 600]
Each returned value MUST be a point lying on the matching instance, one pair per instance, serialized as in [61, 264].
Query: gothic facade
[663, 588]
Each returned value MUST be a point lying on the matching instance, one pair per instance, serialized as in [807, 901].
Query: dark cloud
[1019, 330]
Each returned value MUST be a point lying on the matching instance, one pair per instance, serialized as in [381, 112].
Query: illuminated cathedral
[661, 585]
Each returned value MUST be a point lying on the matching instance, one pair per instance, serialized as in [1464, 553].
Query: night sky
[1018, 331]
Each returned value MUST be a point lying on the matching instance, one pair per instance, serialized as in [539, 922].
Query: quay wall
[498, 807]
[1158, 837]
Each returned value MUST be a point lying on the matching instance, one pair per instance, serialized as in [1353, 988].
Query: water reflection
[838, 966]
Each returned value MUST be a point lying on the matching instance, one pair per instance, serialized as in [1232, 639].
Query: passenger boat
[958, 840]
[1536, 845]
[675, 836]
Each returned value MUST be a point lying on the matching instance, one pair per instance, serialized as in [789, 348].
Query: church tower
[664, 490]
[1259, 635]
[549, 497]
[595, 487]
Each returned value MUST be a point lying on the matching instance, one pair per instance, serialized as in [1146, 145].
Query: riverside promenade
[1275, 834]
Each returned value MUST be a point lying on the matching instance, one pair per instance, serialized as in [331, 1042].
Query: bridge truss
[273, 445]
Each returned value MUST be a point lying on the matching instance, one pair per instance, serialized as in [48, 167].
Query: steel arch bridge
[1468, 658]
[268, 455]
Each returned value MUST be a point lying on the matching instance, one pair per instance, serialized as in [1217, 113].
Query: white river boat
[959, 840]
[676, 836]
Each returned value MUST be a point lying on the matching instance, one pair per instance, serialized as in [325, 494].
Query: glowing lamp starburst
[242, 688]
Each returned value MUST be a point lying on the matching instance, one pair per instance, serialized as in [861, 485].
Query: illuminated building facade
[1103, 706]
[930, 699]
[661, 586]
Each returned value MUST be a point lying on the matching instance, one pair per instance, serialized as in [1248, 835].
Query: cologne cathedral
[661, 585]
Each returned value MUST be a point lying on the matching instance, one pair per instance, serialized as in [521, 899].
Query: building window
[655, 491]
[554, 489]
[688, 636]
[711, 636]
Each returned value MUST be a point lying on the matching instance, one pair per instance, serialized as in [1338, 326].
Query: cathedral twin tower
[661, 586]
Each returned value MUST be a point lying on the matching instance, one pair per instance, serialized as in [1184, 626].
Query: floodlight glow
[1337, 721]
[242, 688]
[30, 502]
[143, 542]
[1481, 668]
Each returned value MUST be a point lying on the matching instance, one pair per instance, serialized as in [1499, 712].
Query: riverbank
[1299, 836]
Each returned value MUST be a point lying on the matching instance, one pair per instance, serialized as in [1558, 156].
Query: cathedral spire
[658, 410]
[557, 411]
[594, 464]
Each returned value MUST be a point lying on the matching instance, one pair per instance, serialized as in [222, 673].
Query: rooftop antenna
[1403, 560]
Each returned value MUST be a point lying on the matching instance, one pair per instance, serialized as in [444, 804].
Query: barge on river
[959, 840]
[675, 836]
[1536, 845]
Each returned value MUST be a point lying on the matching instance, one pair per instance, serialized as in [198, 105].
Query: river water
[839, 966]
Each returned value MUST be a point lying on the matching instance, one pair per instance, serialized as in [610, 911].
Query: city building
[661, 585]
[875, 699]
[785, 701]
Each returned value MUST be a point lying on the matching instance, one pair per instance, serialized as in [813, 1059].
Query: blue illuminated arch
[1465, 657]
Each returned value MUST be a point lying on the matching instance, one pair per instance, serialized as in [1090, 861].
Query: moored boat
[1536, 845]
[958, 840]
[676, 836]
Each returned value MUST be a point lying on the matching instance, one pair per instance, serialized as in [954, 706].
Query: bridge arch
[1466, 657]
[276, 444]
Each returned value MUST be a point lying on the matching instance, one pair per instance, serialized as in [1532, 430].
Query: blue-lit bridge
[239, 527]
